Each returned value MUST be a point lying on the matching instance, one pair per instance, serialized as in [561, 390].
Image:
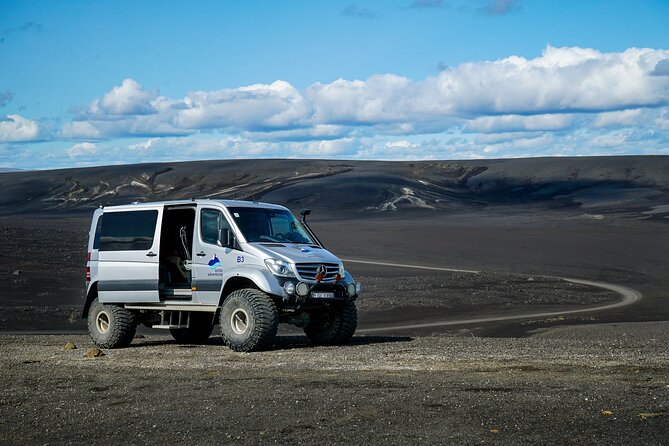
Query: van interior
[176, 247]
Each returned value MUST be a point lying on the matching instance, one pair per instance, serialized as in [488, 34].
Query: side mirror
[226, 238]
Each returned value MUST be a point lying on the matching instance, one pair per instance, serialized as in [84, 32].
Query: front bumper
[338, 291]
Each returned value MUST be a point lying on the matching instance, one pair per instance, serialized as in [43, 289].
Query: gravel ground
[593, 384]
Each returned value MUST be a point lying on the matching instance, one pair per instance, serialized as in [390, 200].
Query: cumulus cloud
[14, 128]
[562, 98]
[514, 93]
[382, 98]
[561, 80]
[663, 121]
[81, 149]
[515, 123]
[661, 68]
[277, 105]
[79, 130]
[129, 98]
[618, 118]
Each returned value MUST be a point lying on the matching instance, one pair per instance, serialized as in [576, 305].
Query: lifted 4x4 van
[186, 266]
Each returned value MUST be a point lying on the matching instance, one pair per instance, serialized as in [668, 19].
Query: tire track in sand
[629, 296]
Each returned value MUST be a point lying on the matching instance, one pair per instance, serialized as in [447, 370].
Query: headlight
[279, 268]
[342, 273]
[289, 287]
[302, 289]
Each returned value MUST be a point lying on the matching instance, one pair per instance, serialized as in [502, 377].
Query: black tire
[333, 327]
[110, 326]
[249, 320]
[201, 326]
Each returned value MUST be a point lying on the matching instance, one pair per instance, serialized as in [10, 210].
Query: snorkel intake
[303, 220]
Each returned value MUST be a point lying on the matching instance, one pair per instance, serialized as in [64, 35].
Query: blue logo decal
[306, 250]
[214, 262]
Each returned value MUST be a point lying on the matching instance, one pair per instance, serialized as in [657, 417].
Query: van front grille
[308, 271]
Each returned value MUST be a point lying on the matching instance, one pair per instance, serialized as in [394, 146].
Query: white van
[188, 265]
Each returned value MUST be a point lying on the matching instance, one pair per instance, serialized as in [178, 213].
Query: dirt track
[597, 384]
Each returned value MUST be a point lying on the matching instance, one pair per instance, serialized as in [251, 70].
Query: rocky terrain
[596, 384]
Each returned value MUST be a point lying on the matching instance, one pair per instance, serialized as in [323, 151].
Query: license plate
[321, 295]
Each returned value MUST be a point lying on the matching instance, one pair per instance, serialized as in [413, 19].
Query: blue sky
[101, 82]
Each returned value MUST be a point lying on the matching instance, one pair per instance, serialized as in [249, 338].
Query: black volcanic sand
[592, 378]
[42, 266]
[513, 241]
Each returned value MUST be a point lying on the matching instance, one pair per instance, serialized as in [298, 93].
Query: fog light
[350, 289]
[289, 287]
[358, 288]
[302, 289]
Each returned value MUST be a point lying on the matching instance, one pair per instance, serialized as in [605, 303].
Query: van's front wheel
[334, 326]
[110, 326]
[249, 320]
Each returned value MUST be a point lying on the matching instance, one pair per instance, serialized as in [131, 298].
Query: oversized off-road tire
[201, 326]
[249, 320]
[110, 326]
[333, 327]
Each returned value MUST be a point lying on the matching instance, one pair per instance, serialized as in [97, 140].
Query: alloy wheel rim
[102, 322]
[239, 321]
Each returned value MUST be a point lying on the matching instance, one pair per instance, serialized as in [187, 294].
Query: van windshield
[269, 225]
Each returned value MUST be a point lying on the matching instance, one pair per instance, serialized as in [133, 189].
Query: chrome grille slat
[307, 271]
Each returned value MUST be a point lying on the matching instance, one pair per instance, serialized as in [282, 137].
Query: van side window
[128, 231]
[98, 230]
[211, 221]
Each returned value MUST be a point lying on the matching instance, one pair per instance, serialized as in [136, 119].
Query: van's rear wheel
[333, 327]
[110, 326]
[201, 326]
[249, 320]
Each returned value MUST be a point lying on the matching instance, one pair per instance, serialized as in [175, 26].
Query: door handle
[151, 254]
[201, 254]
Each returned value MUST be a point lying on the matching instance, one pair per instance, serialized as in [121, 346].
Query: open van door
[128, 253]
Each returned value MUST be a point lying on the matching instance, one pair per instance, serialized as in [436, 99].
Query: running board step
[173, 319]
[168, 307]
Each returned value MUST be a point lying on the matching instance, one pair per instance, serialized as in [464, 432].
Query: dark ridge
[599, 185]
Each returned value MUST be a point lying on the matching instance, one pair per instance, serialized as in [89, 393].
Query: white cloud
[564, 101]
[15, 128]
[510, 94]
[326, 148]
[79, 130]
[561, 80]
[663, 121]
[81, 149]
[618, 118]
[382, 98]
[146, 145]
[613, 139]
[277, 105]
[129, 98]
[514, 123]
